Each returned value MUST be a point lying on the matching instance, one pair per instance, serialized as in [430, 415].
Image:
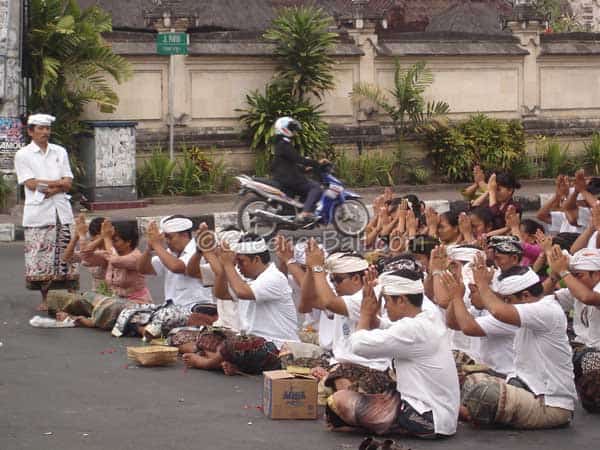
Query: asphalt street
[74, 389]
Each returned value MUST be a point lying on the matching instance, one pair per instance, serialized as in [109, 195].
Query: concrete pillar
[527, 25]
[10, 82]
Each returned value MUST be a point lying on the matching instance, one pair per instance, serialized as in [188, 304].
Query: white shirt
[32, 163]
[496, 349]
[543, 353]
[272, 315]
[586, 318]
[560, 224]
[343, 327]
[425, 369]
[179, 287]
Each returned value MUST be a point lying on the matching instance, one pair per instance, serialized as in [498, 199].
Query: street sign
[172, 43]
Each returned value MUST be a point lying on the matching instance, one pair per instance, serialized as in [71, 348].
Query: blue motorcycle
[266, 208]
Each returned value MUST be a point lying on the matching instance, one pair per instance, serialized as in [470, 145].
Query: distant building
[587, 13]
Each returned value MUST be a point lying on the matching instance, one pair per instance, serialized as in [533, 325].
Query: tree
[302, 45]
[407, 101]
[560, 16]
[70, 64]
[304, 72]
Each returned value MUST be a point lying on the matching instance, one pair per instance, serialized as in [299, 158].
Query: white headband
[516, 283]
[41, 119]
[176, 225]
[250, 248]
[344, 263]
[463, 254]
[586, 260]
[395, 285]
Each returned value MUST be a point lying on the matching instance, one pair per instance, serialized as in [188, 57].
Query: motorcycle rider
[288, 167]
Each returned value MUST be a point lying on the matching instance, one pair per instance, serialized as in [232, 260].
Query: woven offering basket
[154, 355]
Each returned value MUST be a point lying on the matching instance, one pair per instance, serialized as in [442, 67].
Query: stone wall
[551, 82]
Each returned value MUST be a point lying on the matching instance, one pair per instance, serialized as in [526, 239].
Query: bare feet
[42, 307]
[188, 347]
[193, 360]
[229, 369]
[463, 414]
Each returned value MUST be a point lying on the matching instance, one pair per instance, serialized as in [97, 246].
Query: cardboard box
[289, 396]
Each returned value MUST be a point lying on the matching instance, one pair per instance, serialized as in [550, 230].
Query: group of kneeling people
[407, 343]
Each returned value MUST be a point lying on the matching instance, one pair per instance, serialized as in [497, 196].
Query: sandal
[369, 444]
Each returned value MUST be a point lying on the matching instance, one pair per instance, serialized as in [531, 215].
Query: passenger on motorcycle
[289, 166]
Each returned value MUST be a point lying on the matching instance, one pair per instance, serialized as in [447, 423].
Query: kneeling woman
[127, 285]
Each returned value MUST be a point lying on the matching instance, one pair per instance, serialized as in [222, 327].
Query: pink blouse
[121, 275]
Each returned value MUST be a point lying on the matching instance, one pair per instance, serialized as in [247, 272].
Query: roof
[584, 44]
[224, 15]
[469, 17]
[448, 44]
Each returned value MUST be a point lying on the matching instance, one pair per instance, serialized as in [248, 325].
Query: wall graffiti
[11, 140]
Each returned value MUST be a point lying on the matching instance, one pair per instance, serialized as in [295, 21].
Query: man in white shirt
[43, 168]
[581, 274]
[345, 270]
[184, 294]
[540, 391]
[427, 397]
[266, 308]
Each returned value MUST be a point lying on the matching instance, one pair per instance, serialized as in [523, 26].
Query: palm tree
[407, 101]
[302, 45]
[69, 62]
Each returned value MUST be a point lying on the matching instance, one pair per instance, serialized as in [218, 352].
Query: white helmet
[286, 126]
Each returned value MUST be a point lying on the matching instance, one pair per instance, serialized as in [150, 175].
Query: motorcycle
[267, 208]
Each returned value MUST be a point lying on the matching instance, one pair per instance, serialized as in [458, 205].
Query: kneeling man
[427, 398]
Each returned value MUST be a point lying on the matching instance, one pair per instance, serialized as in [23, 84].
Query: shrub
[554, 158]
[262, 164]
[591, 156]
[418, 175]
[491, 143]
[156, 176]
[5, 191]
[365, 170]
[200, 172]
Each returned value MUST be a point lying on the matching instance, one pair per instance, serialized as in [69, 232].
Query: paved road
[59, 382]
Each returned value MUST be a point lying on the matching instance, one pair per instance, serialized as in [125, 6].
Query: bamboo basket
[154, 355]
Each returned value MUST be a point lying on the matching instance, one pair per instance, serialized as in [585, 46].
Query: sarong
[381, 414]
[103, 310]
[158, 319]
[363, 379]
[586, 364]
[44, 266]
[492, 401]
[250, 354]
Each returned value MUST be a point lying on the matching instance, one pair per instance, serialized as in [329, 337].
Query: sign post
[171, 44]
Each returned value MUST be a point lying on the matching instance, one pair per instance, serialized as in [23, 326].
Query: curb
[10, 232]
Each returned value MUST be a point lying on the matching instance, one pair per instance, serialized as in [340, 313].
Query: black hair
[265, 257]
[565, 240]
[484, 214]
[451, 217]
[414, 299]
[593, 186]
[95, 226]
[128, 231]
[180, 216]
[507, 180]
[535, 290]
[531, 226]
[423, 244]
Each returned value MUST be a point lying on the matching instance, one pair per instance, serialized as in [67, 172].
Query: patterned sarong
[158, 319]
[492, 401]
[363, 379]
[44, 266]
[586, 364]
[381, 414]
[251, 354]
[103, 310]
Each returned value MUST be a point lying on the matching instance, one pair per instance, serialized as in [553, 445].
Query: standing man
[43, 168]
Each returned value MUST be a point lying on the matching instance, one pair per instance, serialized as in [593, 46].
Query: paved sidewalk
[222, 207]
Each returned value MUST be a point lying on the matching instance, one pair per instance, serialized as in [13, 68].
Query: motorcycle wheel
[351, 217]
[253, 225]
